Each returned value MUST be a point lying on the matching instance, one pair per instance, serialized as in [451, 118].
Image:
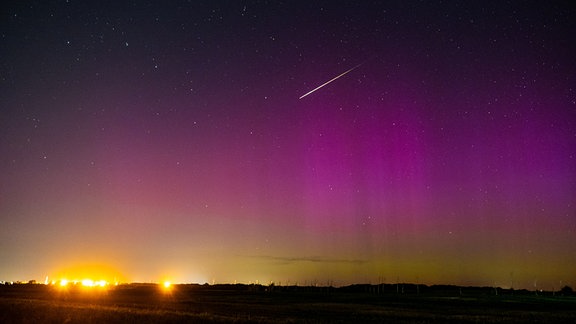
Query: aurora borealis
[167, 140]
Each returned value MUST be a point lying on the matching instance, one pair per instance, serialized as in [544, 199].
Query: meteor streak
[320, 86]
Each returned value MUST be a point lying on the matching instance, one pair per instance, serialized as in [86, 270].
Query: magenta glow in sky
[169, 141]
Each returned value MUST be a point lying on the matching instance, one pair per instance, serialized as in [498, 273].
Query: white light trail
[320, 86]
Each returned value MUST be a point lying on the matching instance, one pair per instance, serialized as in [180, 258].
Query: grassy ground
[200, 304]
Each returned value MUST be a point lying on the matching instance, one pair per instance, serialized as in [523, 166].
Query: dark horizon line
[296, 285]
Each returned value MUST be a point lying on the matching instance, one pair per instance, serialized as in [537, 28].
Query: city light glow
[84, 282]
[87, 283]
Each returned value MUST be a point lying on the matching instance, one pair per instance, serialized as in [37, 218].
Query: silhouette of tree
[566, 291]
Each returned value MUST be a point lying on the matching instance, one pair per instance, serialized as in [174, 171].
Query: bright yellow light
[89, 271]
[63, 282]
[167, 284]
[92, 283]
[87, 283]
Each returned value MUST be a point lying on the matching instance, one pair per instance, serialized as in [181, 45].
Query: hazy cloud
[314, 259]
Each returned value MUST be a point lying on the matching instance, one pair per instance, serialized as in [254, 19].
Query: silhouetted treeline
[379, 289]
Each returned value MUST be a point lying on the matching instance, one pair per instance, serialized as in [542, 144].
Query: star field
[170, 139]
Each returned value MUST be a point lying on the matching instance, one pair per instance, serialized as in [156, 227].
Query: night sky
[149, 140]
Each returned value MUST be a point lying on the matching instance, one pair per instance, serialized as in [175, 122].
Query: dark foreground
[147, 303]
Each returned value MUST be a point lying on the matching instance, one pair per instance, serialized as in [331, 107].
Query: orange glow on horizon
[87, 282]
[88, 275]
[92, 283]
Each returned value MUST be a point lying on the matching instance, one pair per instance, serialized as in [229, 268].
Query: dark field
[148, 303]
